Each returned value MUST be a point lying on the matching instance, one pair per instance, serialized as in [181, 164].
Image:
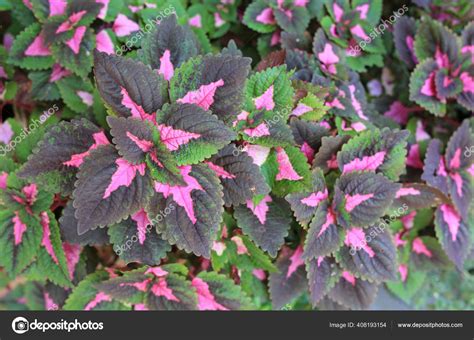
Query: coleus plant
[201, 174]
[278, 19]
[444, 70]
[56, 44]
[352, 25]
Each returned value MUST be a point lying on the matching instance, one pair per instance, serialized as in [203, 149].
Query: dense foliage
[226, 155]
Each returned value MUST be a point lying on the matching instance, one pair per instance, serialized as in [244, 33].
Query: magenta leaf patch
[20, 236]
[153, 288]
[217, 292]
[182, 194]
[370, 163]
[174, 138]
[204, 96]
[361, 198]
[190, 214]
[214, 82]
[304, 204]
[123, 176]
[191, 133]
[417, 196]
[370, 253]
[265, 101]
[285, 168]
[454, 234]
[382, 151]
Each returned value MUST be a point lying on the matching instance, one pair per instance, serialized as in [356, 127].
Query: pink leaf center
[73, 255]
[260, 210]
[403, 270]
[75, 42]
[452, 219]
[356, 104]
[367, 163]
[136, 110]
[315, 198]
[38, 48]
[241, 248]
[57, 7]
[141, 218]
[266, 17]
[76, 160]
[296, 261]
[46, 242]
[182, 194]
[259, 131]
[3, 180]
[330, 219]
[456, 160]
[99, 297]
[161, 288]
[143, 144]
[220, 171]
[308, 152]
[420, 248]
[265, 101]
[301, 109]
[195, 21]
[124, 175]
[70, 22]
[429, 86]
[285, 168]
[355, 238]
[206, 301]
[104, 42]
[58, 73]
[174, 138]
[406, 192]
[349, 277]
[123, 26]
[352, 201]
[166, 67]
[19, 228]
[204, 96]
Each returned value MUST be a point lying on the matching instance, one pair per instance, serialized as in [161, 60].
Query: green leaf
[250, 17]
[70, 88]
[21, 43]
[16, 256]
[283, 91]
[80, 63]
